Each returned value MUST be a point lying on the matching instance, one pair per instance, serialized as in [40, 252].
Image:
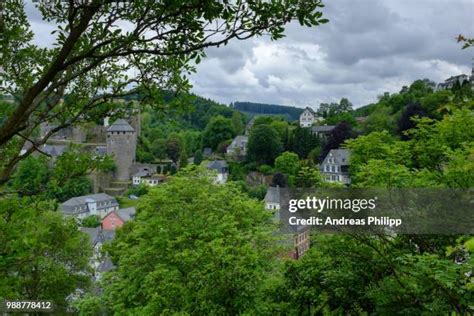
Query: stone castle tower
[122, 144]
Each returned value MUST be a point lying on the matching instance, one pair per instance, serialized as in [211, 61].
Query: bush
[265, 169]
[91, 221]
[138, 190]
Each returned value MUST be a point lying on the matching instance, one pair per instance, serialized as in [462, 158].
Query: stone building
[122, 145]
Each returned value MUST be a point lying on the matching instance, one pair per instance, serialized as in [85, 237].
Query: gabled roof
[272, 195]
[341, 156]
[217, 165]
[126, 214]
[69, 206]
[120, 125]
[310, 110]
[322, 128]
[239, 140]
[95, 234]
[54, 150]
[142, 173]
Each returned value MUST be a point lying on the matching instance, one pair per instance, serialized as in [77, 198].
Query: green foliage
[238, 123]
[380, 120]
[303, 141]
[44, 255]
[91, 221]
[264, 144]
[437, 154]
[218, 130]
[183, 159]
[66, 179]
[138, 190]
[340, 117]
[333, 109]
[288, 163]
[363, 274]
[198, 157]
[32, 176]
[212, 262]
[265, 169]
[173, 148]
[291, 113]
[308, 178]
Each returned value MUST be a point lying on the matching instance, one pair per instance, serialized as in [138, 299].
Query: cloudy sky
[367, 48]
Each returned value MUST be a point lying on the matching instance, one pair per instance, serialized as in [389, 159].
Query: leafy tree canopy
[264, 144]
[212, 261]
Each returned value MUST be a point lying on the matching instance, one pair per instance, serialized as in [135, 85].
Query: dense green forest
[290, 112]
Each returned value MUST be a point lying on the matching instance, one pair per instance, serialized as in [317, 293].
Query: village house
[322, 131]
[272, 198]
[459, 79]
[221, 168]
[335, 167]
[308, 117]
[238, 147]
[99, 262]
[116, 219]
[94, 204]
[146, 177]
[298, 236]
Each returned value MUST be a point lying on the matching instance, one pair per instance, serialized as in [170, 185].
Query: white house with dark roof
[93, 204]
[308, 117]
[99, 261]
[221, 168]
[272, 198]
[146, 177]
[335, 167]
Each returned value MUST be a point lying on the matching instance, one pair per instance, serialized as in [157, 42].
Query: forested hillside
[290, 112]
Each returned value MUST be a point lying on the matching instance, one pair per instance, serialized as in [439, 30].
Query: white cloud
[367, 48]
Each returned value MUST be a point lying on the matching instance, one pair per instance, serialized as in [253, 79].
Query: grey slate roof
[218, 165]
[142, 173]
[69, 207]
[207, 151]
[95, 234]
[322, 129]
[105, 265]
[143, 167]
[341, 156]
[239, 140]
[120, 125]
[310, 110]
[54, 150]
[126, 213]
[272, 195]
